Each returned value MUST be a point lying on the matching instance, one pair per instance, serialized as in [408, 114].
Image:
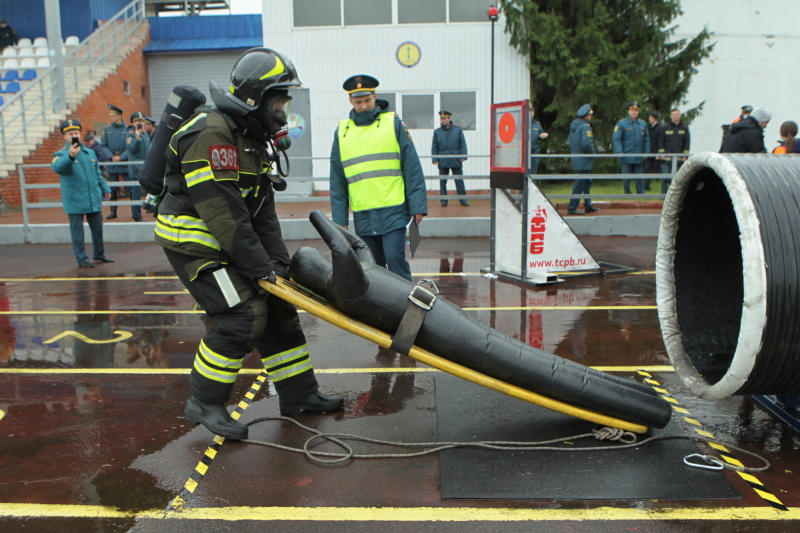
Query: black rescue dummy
[354, 285]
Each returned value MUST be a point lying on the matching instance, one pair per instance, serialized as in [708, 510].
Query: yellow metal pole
[324, 311]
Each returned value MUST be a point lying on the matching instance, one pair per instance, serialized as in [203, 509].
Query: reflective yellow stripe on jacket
[371, 160]
[183, 229]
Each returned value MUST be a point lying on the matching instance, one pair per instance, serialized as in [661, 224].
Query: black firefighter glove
[276, 269]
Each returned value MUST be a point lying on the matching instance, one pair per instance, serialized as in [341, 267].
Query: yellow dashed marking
[717, 446]
[732, 460]
[190, 485]
[767, 496]
[749, 478]
[705, 433]
[777, 505]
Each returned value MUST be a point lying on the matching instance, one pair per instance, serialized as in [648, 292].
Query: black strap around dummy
[420, 301]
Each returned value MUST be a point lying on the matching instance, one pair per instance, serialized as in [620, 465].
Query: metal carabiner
[711, 462]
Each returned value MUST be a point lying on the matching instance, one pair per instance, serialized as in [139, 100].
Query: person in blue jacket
[115, 138]
[83, 190]
[448, 140]
[631, 136]
[103, 154]
[138, 146]
[376, 172]
[581, 141]
[537, 135]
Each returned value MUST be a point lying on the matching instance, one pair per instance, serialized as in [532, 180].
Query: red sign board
[509, 151]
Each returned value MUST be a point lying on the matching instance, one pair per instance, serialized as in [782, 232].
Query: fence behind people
[320, 184]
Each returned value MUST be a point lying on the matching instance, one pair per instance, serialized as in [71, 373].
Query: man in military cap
[138, 144]
[631, 137]
[115, 138]
[150, 126]
[82, 191]
[450, 146]
[103, 155]
[746, 111]
[376, 171]
[581, 141]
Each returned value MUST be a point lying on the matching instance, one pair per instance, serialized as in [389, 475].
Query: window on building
[469, 10]
[317, 12]
[462, 106]
[126, 87]
[418, 111]
[144, 92]
[419, 11]
[389, 97]
[358, 12]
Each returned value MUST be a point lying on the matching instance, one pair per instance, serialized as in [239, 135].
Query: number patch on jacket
[223, 157]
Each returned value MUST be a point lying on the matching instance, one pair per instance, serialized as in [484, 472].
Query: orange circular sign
[507, 127]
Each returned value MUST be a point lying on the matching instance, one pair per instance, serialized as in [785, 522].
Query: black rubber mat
[468, 413]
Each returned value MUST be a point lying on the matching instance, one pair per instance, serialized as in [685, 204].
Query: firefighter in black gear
[219, 230]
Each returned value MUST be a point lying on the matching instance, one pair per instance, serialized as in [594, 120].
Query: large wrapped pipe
[353, 284]
[728, 274]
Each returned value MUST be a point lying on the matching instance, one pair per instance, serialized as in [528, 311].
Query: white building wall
[455, 57]
[753, 63]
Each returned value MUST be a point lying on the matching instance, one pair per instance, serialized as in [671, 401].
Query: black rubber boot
[215, 418]
[313, 402]
[113, 213]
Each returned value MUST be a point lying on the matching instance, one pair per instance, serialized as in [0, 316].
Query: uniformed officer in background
[448, 140]
[115, 138]
[631, 136]
[83, 190]
[219, 230]
[581, 141]
[138, 146]
[537, 135]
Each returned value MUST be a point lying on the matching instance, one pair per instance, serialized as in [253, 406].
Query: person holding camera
[138, 143]
[83, 190]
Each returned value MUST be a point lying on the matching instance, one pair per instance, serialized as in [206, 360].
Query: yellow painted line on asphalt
[184, 291]
[402, 514]
[417, 275]
[567, 307]
[253, 371]
[112, 278]
[195, 312]
[109, 311]
[2, 414]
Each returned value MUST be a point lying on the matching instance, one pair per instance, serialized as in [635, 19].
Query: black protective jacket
[746, 136]
[219, 206]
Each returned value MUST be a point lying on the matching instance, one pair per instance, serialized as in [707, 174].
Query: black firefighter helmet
[257, 71]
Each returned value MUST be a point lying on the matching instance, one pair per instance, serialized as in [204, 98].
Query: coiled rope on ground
[625, 438]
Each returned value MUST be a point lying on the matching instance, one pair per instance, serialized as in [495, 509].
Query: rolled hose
[377, 297]
[728, 274]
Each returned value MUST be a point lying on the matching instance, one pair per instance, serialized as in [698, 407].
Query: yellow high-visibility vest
[371, 159]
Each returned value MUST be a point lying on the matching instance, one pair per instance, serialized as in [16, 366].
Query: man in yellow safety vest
[375, 170]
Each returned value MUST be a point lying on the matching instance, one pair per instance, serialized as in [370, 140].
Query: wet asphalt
[94, 373]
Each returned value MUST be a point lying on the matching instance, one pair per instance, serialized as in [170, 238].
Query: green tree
[605, 53]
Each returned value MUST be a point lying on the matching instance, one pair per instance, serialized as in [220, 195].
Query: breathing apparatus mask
[273, 114]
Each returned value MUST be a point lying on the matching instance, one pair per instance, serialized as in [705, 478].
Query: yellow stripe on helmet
[277, 69]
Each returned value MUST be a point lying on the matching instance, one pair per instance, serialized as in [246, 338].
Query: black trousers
[256, 321]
